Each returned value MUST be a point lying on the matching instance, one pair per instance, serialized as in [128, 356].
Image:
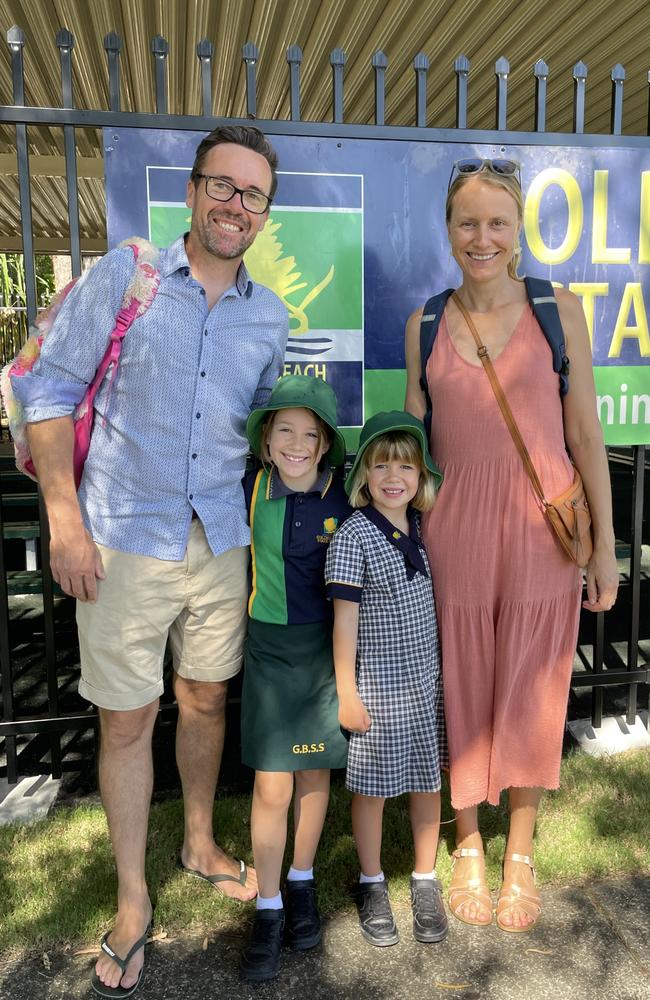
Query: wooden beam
[55, 245]
[52, 166]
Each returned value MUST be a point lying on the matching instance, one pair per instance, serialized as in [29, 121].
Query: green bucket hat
[295, 392]
[384, 423]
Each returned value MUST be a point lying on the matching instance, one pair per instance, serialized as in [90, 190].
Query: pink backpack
[139, 295]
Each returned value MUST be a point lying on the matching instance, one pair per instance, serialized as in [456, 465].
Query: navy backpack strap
[544, 305]
[431, 316]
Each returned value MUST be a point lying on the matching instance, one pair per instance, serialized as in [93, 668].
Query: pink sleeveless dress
[508, 600]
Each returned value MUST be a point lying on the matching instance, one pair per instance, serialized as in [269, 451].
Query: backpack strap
[431, 316]
[544, 305]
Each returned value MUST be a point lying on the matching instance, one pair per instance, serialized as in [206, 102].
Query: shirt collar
[275, 488]
[410, 545]
[174, 258]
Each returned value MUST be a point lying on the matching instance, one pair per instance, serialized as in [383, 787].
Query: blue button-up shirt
[169, 433]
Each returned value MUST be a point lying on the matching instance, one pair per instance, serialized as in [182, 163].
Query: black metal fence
[37, 647]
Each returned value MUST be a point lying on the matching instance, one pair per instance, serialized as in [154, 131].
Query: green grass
[57, 883]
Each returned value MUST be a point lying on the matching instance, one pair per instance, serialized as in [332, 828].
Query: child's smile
[392, 485]
[295, 444]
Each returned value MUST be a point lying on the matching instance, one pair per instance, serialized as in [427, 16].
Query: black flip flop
[214, 880]
[119, 992]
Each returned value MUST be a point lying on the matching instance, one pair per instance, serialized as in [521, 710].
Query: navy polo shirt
[290, 534]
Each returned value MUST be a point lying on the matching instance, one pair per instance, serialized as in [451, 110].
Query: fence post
[16, 42]
[580, 72]
[6, 671]
[501, 69]
[65, 43]
[250, 55]
[113, 47]
[379, 64]
[618, 81]
[294, 58]
[541, 72]
[160, 50]
[204, 53]
[461, 69]
[421, 67]
[337, 62]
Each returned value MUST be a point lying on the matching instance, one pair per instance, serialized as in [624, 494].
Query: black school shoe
[303, 927]
[261, 960]
[429, 917]
[375, 915]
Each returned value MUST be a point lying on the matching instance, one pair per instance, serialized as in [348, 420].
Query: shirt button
[205, 333]
[202, 292]
[202, 374]
[298, 524]
[194, 455]
[191, 496]
[186, 272]
[198, 415]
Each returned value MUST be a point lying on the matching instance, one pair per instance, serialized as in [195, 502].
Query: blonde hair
[325, 437]
[400, 446]
[509, 183]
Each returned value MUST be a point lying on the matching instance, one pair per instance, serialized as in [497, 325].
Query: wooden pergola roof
[601, 33]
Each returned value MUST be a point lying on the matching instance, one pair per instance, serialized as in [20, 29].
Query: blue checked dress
[398, 658]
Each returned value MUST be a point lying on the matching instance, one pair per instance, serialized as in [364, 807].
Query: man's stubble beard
[212, 242]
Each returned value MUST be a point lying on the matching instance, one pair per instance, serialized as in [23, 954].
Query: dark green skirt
[289, 716]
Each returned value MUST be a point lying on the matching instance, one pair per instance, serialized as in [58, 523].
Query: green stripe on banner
[384, 389]
[623, 397]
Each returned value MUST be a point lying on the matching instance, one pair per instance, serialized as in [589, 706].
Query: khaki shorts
[199, 602]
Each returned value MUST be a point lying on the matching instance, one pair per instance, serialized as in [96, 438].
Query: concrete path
[591, 944]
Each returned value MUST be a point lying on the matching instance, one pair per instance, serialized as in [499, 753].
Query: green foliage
[57, 877]
[13, 299]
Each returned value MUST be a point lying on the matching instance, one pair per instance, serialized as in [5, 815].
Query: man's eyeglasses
[475, 165]
[222, 190]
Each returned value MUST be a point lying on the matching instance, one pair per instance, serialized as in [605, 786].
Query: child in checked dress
[387, 665]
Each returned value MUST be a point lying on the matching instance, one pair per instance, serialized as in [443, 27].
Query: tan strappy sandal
[512, 895]
[472, 890]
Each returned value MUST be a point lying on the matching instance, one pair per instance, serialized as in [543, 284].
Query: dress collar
[410, 545]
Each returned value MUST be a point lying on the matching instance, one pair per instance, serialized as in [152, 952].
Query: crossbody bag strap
[504, 406]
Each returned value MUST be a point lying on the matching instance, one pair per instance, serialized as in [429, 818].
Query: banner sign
[356, 240]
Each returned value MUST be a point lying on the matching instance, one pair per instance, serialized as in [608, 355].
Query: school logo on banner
[310, 253]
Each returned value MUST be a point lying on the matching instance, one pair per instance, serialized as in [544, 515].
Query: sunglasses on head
[475, 165]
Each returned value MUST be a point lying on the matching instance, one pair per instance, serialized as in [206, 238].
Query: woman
[508, 599]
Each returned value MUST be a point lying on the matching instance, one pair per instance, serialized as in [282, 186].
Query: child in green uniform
[290, 729]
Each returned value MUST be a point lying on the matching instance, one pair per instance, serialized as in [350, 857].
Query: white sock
[419, 875]
[296, 875]
[364, 879]
[270, 903]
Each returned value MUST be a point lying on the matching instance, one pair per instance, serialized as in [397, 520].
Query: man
[155, 542]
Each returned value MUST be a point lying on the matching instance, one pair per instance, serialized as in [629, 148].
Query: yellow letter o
[571, 189]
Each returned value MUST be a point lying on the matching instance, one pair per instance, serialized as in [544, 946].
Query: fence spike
[15, 37]
[502, 69]
[64, 39]
[580, 73]
[461, 69]
[337, 62]
[618, 81]
[379, 64]
[204, 53]
[113, 47]
[541, 73]
[250, 55]
[421, 67]
[294, 58]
